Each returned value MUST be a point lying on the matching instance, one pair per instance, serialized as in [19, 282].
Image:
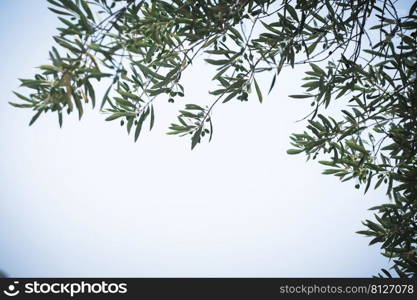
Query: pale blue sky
[87, 201]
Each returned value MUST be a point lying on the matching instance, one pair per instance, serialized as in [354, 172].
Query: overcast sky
[86, 200]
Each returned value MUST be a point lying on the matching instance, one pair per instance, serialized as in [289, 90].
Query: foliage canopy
[361, 54]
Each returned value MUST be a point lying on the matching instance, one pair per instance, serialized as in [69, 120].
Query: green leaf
[272, 83]
[79, 106]
[194, 107]
[129, 95]
[87, 9]
[294, 151]
[217, 62]
[300, 96]
[231, 96]
[24, 98]
[413, 8]
[138, 128]
[142, 119]
[330, 171]
[327, 163]
[292, 11]
[60, 119]
[258, 91]
[196, 138]
[18, 105]
[357, 147]
[106, 96]
[152, 118]
[117, 115]
[129, 124]
[317, 69]
[49, 68]
[35, 117]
